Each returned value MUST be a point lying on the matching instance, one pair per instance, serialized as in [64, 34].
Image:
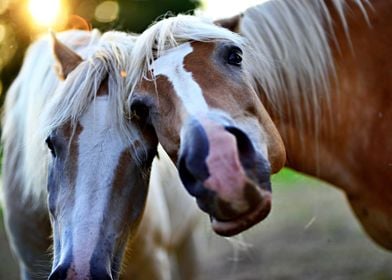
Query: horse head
[197, 95]
[98, 172]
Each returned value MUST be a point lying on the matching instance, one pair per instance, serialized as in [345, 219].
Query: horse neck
[319, 135]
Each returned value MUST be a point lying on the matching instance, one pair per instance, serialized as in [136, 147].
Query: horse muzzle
[230, 180]
[79, 261]
[93, 271]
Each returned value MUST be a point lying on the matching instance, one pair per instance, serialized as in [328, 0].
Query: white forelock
[38, 102]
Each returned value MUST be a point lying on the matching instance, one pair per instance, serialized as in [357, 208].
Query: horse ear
[231, 23]
[66, 59]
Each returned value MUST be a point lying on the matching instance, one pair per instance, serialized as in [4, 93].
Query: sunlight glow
[217, 9]
[2, 32]
[45, 13]
[4, 5]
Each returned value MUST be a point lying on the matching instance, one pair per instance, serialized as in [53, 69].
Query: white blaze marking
[171, 65]
[100, 148]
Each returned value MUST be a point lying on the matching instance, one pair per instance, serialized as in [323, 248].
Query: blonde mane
[292, 53]
[39, 102]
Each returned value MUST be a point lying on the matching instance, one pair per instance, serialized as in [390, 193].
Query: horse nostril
[191, 178]
[186, 176]
[100, 274]
[59, 273]
[255, 165]
[192, 159]
[245, 147]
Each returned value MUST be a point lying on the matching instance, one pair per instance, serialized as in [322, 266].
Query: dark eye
[49, 143]
[234, 56]
[140, 110]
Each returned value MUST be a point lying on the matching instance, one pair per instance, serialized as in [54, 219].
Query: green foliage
[140, 14]
[289, 176]
[134, 15]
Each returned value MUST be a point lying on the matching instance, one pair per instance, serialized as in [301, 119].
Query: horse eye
[50, 145]
[140, 110]
[235, 56]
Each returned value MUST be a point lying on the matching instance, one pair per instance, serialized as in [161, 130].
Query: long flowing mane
[38, 101]
[292, 53]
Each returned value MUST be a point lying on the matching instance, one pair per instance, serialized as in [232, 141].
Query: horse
[76, 168]
[225, 148]
[307, 81]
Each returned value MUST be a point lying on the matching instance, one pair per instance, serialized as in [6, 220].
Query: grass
[289, 177]
[310, 234]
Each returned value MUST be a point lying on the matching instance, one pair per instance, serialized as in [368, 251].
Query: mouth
[245, 221]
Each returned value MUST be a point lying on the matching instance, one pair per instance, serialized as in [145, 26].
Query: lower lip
[244, 222]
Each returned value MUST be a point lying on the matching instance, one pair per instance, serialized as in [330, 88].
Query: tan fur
[347, 142]
[166, 101]
[218, 87]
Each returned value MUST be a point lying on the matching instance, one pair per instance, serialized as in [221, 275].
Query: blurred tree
[133, 15]
[17, 29]
[13, 41]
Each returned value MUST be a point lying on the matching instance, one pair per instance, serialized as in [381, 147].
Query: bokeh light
[45, 13]
[4, 5]
[217, 9]
[2, 32]
[107, 11]
[8, 44]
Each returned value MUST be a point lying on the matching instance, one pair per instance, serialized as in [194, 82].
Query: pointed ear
[232, 23]
[66, 59]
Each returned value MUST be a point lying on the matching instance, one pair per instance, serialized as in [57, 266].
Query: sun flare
[45, 13]
[225, 8]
